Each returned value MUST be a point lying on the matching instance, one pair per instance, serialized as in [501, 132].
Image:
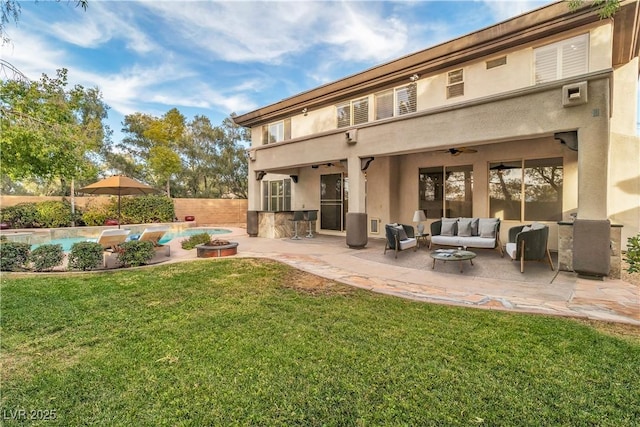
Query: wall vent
[374, 225]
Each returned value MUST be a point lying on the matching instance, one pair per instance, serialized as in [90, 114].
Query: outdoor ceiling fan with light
[458, 151]
[502, 167]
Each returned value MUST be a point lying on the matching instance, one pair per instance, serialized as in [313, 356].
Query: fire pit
[217, 248]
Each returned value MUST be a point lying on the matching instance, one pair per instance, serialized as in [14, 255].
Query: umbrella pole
[118, 209]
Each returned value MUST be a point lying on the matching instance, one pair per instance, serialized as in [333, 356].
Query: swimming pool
[67, 242]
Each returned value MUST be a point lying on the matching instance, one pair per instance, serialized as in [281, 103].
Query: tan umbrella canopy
[118, 185]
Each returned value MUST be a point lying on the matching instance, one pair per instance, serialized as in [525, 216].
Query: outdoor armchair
[399, 238]
[529, 243]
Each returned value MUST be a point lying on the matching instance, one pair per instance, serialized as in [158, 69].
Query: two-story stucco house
[532, 119]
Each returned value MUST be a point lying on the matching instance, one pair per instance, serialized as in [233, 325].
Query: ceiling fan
[458, 151]
[502, 167]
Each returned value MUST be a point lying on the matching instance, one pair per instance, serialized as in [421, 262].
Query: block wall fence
[207, 212]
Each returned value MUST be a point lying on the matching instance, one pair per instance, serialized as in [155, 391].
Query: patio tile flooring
[494, 283]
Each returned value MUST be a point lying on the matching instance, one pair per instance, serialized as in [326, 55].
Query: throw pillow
[537, 226]
[474, 226]
[448, 227]
[487, 227]
[525, 229]
[402, 235]
[464, 227]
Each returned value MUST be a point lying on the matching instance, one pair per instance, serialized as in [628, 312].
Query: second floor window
[406, 99]
[563, 59]
[455, 83]
[276, 132]
[353, 112]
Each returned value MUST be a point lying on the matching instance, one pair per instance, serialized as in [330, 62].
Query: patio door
[334, 191]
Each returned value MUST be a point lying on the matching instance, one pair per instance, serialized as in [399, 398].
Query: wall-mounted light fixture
[414, 78]
[304, 111]
[260, 175]
[351, 136]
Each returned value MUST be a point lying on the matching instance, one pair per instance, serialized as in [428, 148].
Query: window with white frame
[276, 195]
[455, 83]
[276, 132]
[563, 59]
[353, 112]
[406, 99]
[384, 104]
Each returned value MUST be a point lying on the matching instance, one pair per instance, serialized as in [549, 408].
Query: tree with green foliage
[606, 8]
[195, 158]
[49, 131]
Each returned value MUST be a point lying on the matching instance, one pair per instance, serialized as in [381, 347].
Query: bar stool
[297, 217]
[311, 217]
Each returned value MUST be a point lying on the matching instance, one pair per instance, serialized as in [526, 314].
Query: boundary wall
[207, 212]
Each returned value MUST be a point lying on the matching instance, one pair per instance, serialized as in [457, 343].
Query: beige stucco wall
[479, 82]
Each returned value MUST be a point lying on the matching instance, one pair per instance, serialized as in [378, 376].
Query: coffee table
[452, 255]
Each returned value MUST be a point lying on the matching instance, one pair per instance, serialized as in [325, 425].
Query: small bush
[196, 239]
[135, 253]
[633, 254]
[22, 215]
[85, 256]
[95, 217]
[14, 256]
[53, 214]
[46, 257]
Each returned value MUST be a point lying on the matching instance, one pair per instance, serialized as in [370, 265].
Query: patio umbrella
[118, 185]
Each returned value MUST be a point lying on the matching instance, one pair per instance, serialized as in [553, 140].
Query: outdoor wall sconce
[414, 78]
[260, 175]
[351, 136]
[304, 111]
[365, 162]
[294, 178]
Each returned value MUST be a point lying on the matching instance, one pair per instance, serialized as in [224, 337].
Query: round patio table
[452, 255]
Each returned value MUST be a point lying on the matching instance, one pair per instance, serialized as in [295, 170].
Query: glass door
[333, 201]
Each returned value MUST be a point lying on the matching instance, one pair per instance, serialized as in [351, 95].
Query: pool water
[67, 242]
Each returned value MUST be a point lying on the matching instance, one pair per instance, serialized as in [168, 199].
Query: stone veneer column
[565, 249]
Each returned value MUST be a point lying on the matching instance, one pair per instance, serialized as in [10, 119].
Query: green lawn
[251, 342]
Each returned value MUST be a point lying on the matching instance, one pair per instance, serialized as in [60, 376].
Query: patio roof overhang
[544, 22]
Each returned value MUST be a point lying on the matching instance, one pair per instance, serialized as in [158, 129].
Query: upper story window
[276, 132]
[455, 83]
[563, 59]
[401, 100]
[406, 99]
[353, 112]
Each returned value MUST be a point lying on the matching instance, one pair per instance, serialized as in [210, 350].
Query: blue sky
[213, 58]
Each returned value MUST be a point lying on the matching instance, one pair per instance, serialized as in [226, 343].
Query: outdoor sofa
[481, 233]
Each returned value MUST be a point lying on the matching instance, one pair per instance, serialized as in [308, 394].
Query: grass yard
[254, 342]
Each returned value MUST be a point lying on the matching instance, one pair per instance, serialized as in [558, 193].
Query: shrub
[46, 257]
[22, 215]
[633, 254]
[144, 209]
[135, 253]
[53, 213]
[14, 256]
[196, 239]
[85, 256]
[95, 217]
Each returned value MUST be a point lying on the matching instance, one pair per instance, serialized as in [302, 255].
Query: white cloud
[505, 9]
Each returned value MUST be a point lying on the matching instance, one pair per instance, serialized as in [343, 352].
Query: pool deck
[505, 289]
